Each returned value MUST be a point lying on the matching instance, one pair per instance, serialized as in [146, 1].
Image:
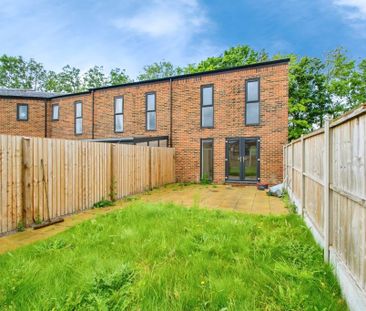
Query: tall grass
[166, 257]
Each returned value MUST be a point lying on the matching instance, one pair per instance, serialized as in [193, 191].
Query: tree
[309, 100]
[159, 70]
[35, 75]
[94, 77]
[69, 80]
[118, 76]
[235, 56]
[346, 83]
[12, 72]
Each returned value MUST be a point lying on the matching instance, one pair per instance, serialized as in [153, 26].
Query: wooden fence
[325, 175]
[46, 178]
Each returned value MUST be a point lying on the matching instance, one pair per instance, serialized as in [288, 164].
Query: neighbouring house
[226, 125]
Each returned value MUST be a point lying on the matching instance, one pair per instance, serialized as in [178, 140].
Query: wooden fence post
[26, 182]
[112, 190]
[150, 175]
[326, 190]
[302, 175]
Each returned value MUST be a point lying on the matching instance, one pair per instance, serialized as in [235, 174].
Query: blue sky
[130, 34]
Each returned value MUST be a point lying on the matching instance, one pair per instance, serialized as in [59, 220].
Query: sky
[131, 33]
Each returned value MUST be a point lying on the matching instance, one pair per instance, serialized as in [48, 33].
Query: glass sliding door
[207, 159]
[233, 159]
[242, 159]
[250, 160]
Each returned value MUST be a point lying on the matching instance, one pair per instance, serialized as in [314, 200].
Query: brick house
[227, 125]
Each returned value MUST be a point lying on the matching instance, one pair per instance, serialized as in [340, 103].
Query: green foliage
[235, 56]
[107, 292]
[118, 76]
[288, 203]
[20, 226]
[38, 220]
[166, 257]
[159, 70]
[103, 203]
[205, 180]
[94, 77]
[113, 190]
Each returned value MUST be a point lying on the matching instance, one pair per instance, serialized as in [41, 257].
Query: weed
[113, 190]
[288, 203]
[103, 203]
[20, 226]
[205, 180]
[130, 198]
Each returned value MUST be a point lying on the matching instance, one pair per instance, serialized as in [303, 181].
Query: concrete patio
[245, 199]
[242, 199]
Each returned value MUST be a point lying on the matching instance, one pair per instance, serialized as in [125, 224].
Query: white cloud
[127, 34]
[354, 10]
[354, 14]
[162, 18]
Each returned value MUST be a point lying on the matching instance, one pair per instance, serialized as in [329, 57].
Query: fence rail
[45, 178]
[325, 175]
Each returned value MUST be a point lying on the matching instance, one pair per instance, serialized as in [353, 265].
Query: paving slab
[242, 199]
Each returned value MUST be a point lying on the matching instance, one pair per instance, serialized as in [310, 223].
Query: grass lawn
[166, 257]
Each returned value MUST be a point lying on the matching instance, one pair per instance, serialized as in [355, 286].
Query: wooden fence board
[63, 177]
[347, 189]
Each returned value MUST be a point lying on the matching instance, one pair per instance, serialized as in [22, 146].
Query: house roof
[26, 93]
[48, 95]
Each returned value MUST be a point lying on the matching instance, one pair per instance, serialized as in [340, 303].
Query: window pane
[154, 143]
[207, 160]
[79, 126]
[23, 112]
[119, 122]
[150, 102]
[118, 105]
[252, 113]
[163, 143]
[253, 91]
[151, 120]
[207, 116]
[78, 110]
[55, 112]
[250, 158]
[207, 96]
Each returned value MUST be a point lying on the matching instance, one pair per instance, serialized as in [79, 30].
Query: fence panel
[43, 179]
[343, 232]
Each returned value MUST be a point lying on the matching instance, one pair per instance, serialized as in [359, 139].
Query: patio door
[242, 159]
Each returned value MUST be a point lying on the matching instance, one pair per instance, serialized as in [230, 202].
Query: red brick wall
[65, 126]
[134, 110]
[229, 112]
[9, 125]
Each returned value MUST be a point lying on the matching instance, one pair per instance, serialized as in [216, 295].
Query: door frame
[241, 153]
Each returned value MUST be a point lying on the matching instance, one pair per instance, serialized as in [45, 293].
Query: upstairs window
[55, 112]
[78, 118]
[22, 112]
[207, 106]
[252, 99]
[151, 111]
[118, 114]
